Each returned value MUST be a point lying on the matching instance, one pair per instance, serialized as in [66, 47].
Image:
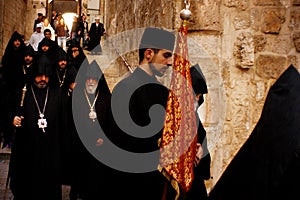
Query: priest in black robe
[267, 165]
[35, 158]
[91, 128]
[12, 74]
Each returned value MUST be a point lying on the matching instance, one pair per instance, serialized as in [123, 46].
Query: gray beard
[91, 89]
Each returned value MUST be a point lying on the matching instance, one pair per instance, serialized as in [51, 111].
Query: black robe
[89, 176]
[12, 75]
[142, 92]
[95, 34]
[267, 166]
[35, 167]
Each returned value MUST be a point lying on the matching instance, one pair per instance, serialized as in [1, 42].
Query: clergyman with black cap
[139, 126]
[35, 165]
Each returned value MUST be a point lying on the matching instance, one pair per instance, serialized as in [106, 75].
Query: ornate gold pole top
[185, 14]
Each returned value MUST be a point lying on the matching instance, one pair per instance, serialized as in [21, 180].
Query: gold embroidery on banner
[178, 143]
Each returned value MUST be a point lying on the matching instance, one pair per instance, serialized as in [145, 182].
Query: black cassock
[35, 159]
[90, 176]
[268, 164]
[95, 34]
[134, 101]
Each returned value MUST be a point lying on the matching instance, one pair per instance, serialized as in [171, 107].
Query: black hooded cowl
[80, 59]
[42, 66]
[94, 71]
[12, 62]
[267, 166]
[52, 51]
[198, 82]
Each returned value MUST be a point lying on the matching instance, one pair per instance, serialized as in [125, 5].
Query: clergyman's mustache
[42, 82]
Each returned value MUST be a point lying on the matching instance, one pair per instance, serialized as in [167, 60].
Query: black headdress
[80, 59]
[94, 71]
[157, 38]
[267, 165]
[46, 42]
[198, 81]
[61, 55]
[10, 49]
[29, 51]
[42, 66]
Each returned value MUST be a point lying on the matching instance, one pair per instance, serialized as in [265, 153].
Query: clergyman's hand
[18, 121]
[99, 142]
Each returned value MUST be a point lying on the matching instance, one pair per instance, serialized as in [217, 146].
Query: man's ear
[149, 53]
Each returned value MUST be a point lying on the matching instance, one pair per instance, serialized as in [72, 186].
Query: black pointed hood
[29, 51]
[267, 165]
[61, 55]
[42, 66]
[198, 82]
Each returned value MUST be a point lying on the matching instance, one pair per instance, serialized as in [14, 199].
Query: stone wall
[242, 46]
[18, 15]
[12, 15]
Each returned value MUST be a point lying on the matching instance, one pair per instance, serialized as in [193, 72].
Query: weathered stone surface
[10, 21]
[295, 19]
[270, 66]
[240, 4]
[296, 2]
[244, 50]
[242, 21]
[293, 60]
[282, 44]
[259, 43]
[267, 2]
[272, 20]
[206, 15]
[255, 19]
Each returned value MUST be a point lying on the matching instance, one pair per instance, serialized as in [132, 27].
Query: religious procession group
[59, 122]
[57, 30]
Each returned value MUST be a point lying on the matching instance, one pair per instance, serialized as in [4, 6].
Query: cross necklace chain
[92, 114]
[42, 122]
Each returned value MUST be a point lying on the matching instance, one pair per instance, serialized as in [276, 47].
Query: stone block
[244, 50]
[242, 21]
[260, 42]
[270, 66]
[205, 15]
[282, 44]
[294, 23]
[272, 18]
[239, 4]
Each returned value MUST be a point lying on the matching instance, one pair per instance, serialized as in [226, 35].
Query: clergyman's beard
[41, 84]
[91, 88]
